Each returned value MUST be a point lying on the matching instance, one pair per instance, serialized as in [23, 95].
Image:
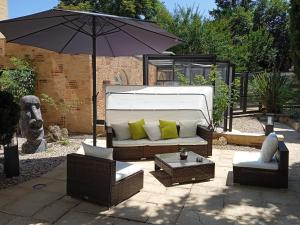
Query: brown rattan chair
[94, 179]
[264, 177]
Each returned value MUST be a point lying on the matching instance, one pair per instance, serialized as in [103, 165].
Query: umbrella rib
[145, 29]
[111, 31]
[112, 51]
[82, 30]
[73, 36]
[136, 39]
[47, 28]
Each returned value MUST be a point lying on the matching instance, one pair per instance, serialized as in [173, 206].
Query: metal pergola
[189, 65]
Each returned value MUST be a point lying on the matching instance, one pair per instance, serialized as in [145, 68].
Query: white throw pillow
[188, 128]
[96, 151]
[121, 131]
[269, 147]
[152, 131]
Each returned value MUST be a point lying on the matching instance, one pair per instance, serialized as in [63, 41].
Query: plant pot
[11, 161]
[183, 156]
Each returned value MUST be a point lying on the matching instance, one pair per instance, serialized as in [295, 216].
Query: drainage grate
[39, 186]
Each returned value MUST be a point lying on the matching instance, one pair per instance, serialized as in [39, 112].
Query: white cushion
[152, 131]
[188, 128]
[269, 147]
[252, 160]
[121, 130]
[124, 169]
[96, 151]
[146, 142]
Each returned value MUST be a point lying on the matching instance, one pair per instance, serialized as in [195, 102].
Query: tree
[143, 9]
[226, 7]
[295, 35]
[273, 16]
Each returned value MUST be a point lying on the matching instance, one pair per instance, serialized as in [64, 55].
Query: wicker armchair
[276, 178]
[94, 179]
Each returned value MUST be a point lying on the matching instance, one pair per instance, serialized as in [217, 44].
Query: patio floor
[202, 203]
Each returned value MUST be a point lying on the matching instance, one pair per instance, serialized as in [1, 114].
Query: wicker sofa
[249, 170]
[102, 181]
[138, 149]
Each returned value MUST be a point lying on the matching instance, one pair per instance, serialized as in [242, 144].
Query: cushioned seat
[252, 160]
[146, 142]
[124, 169]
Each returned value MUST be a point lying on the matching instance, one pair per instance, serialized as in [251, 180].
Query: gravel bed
[235, 148]
[34, 165]
[247, 124]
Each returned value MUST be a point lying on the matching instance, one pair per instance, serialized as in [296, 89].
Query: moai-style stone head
[31, 124]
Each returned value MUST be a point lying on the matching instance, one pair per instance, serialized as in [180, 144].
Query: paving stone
[142, 196]
[26, 221]
[243, 196]
[132, 210]
[205, 203]
[77, 218]
[195, 217]
[57, 209]
[12, 194]
[164, 214]
[284, 197]
[5, 218]
[86, 207]
[30, 203]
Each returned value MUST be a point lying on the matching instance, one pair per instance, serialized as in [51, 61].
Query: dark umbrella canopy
[71, 31]
[77, 32]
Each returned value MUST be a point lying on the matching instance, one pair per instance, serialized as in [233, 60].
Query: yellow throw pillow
[137, 130]
[168, 129]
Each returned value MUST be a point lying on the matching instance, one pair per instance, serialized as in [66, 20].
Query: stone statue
[31, 124]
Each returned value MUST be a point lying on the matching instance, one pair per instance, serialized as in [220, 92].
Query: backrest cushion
[153, 131]
[121, 131]
[96, 151]
[188, 128]
[269, 147]
[168, 129]
[136, 129]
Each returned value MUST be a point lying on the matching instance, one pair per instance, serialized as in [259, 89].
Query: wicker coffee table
[185, 170]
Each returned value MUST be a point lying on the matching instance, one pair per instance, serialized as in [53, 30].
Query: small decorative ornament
[199, 159]
[183, 153]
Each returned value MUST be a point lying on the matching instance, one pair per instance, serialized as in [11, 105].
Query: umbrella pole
[94, 69]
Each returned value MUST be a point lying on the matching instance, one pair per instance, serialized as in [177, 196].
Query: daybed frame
[263, 177]
[93, 179]
[139, 152]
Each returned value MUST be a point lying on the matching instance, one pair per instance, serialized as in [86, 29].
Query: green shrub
[20, 80]
[9, 117]
[272, 90]
[222, 98]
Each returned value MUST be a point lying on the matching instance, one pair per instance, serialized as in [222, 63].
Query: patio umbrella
[77, 32]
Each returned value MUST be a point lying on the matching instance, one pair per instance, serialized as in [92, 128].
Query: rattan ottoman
[181, 171]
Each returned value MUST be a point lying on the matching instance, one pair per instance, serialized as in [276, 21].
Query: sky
[18, 8]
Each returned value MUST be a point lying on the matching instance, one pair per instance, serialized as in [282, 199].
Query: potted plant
[9, 118]
[183, 153]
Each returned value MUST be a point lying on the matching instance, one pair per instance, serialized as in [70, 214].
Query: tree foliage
[295, 35]
[145, 9]
[20, 80]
